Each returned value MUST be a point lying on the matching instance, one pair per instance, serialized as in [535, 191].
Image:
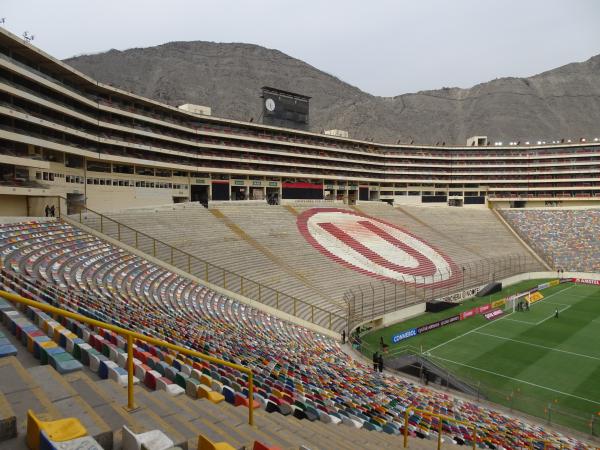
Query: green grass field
[530, 361]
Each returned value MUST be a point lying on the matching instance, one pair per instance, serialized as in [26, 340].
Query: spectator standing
[380, 362]
[375, 361]
[47, 210]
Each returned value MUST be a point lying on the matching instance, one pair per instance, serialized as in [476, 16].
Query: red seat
[150, 379]
[240, 400]
[260, 446]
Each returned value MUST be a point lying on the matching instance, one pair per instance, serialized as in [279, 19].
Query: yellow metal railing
[211, 273]
[130, 336]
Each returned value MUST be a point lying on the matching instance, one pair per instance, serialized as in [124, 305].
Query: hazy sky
[384, 47]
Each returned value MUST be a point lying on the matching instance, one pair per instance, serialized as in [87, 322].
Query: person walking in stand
[343, 337]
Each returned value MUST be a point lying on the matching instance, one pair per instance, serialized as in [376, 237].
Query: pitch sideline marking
[518, 380]
[538, 345]
[489, 323]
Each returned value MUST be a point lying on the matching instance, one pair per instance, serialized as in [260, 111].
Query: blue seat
[7, 350]
[103, 370]
[371, 426]
[389, 429]
[229, 395]
[64, 362]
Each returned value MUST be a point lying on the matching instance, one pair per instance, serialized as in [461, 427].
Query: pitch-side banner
[458, 297]
[498, 303]
[466, 314]
[493, 314]
[490, 309]
[585, 281]
[484, 308]
[404, 335]
[535, 297]
[438, 324]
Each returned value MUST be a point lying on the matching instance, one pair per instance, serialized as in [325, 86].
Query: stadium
[170, 278]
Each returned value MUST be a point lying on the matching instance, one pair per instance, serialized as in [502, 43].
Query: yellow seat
[57, 430]
[206, 380]
[48, 344]
[215, 397]
[56, 333]
[29, 344]
[45, 325]
[207, 393]
[277, 393]
[205, 444]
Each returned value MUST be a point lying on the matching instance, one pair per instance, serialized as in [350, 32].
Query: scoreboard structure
[285, 109]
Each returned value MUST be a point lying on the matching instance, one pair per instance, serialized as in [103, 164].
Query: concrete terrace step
[22, 392]
[235, 420]
[68, 402]
[112, 412]
[146, 418]
[202, 421]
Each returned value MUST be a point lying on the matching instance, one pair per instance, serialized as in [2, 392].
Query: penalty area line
[517, 380]
[582, 355]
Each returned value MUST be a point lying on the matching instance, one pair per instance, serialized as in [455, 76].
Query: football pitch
[529, 361]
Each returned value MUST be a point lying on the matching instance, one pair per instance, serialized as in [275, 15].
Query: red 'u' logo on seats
[375, 248]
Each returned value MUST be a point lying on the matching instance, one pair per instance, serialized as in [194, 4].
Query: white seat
[139, 371]
[82, 443]
[350, 422]
[119, 375]
[122, 359]
[151, 440]
[94, 362]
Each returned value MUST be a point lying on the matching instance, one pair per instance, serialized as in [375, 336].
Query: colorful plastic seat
[57, 430]
[151, 440]
[206, 444]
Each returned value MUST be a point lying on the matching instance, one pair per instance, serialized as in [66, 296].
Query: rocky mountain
[564, 102]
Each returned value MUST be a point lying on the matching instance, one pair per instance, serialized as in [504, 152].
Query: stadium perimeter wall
[415, 310]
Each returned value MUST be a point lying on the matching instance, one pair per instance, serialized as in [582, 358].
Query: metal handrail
[131, 335]
[440, 418]
[474, 427]
[313, 308]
